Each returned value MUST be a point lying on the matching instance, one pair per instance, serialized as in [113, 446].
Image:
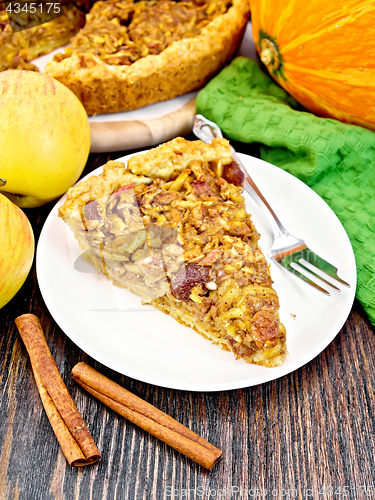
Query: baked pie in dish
[171, 226]
[130, 54]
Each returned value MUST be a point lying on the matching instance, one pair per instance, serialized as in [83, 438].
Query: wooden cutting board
[145, 127]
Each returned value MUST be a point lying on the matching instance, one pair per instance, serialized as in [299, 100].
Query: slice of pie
[171, 226]
[133, 53]
[18, 49]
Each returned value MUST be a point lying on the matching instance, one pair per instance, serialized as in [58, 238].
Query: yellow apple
[44, 137]
[16, 249]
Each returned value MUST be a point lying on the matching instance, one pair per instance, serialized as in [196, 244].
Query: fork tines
[308, 266]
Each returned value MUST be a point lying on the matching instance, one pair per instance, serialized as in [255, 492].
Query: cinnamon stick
[146, 416]
[70, 429]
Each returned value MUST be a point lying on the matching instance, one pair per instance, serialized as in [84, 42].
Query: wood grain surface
[111, 136]
[307, 435]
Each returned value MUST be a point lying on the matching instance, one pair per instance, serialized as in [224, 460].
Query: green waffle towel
[335, 159]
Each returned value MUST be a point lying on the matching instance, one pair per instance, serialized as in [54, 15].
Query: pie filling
[121, 32]
[173, 228]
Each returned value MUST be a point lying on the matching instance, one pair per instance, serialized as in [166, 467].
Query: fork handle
[253, 190]
[207, 130]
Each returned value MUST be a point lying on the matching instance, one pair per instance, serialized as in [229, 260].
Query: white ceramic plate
[141, 342]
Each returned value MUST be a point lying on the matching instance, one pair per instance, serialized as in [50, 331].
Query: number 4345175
[33, 8]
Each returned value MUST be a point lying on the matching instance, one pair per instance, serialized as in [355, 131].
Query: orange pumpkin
[322, 53]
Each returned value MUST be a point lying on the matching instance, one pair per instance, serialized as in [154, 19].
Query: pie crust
[172, 228]
[183, 66]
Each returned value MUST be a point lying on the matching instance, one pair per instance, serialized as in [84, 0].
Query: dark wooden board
[306, 435]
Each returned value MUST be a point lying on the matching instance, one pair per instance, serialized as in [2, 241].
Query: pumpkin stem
[266, 56]
[269, 54]
[2, 182]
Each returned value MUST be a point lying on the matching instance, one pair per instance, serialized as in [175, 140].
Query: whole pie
[130, 54]
[171, 226]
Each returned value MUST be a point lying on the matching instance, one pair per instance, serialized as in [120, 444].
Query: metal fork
[288, 251]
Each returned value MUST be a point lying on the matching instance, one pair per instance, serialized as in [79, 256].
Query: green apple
[16, 249]
[44, 137]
